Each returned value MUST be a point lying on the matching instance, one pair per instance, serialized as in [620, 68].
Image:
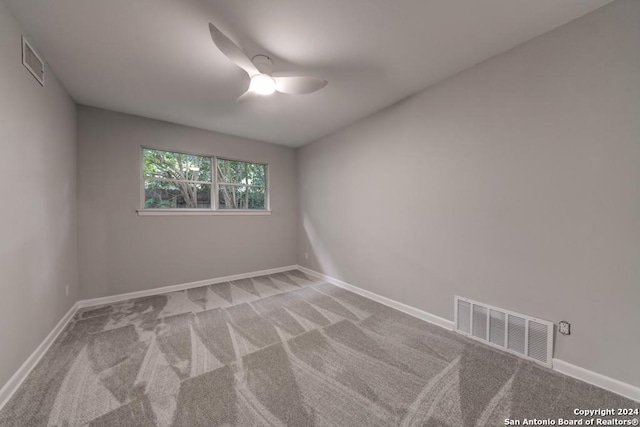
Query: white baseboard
[412, 311]
[627, 390]
[172, 288]
[21, 374]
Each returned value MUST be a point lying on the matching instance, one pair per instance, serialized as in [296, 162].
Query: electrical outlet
[564, 327]
[66, 289]
[306, 255]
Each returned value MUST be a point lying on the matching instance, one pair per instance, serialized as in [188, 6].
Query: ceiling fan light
[262, 84]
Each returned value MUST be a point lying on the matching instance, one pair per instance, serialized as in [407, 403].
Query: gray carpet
[282, 349]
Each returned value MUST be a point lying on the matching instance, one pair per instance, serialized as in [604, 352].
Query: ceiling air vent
[32, 61]
[516, 333]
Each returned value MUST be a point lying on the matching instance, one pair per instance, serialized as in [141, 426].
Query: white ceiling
[155, 58]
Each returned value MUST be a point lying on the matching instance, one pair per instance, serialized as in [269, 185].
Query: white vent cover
[516, 333]
[32, 61]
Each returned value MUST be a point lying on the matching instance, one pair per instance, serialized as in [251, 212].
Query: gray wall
[38, 244]
[515, 183]
[122, 252]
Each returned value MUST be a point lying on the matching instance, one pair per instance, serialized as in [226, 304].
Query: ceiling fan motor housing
[263, 63]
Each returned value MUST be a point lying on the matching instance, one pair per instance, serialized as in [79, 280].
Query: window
[241, 185]
[178, 181]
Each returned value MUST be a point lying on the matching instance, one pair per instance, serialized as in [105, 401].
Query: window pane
[166, 164]
[256, 174]
[232, 197]
[256, 198]
[241, 197]
[172, 195]
[231, 171]
[234, 172]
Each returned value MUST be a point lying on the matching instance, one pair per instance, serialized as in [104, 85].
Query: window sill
[199, 212]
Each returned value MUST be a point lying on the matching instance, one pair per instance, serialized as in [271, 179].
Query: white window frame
[218, 184]
[215, 208]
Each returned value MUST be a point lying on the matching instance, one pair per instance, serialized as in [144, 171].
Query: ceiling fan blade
[299, 85]
[248, 95]
[232, 51]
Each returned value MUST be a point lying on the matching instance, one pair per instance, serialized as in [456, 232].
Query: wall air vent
[32, 61]
[516, 333]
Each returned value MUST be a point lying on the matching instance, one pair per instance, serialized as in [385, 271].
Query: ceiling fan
[259, 70]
